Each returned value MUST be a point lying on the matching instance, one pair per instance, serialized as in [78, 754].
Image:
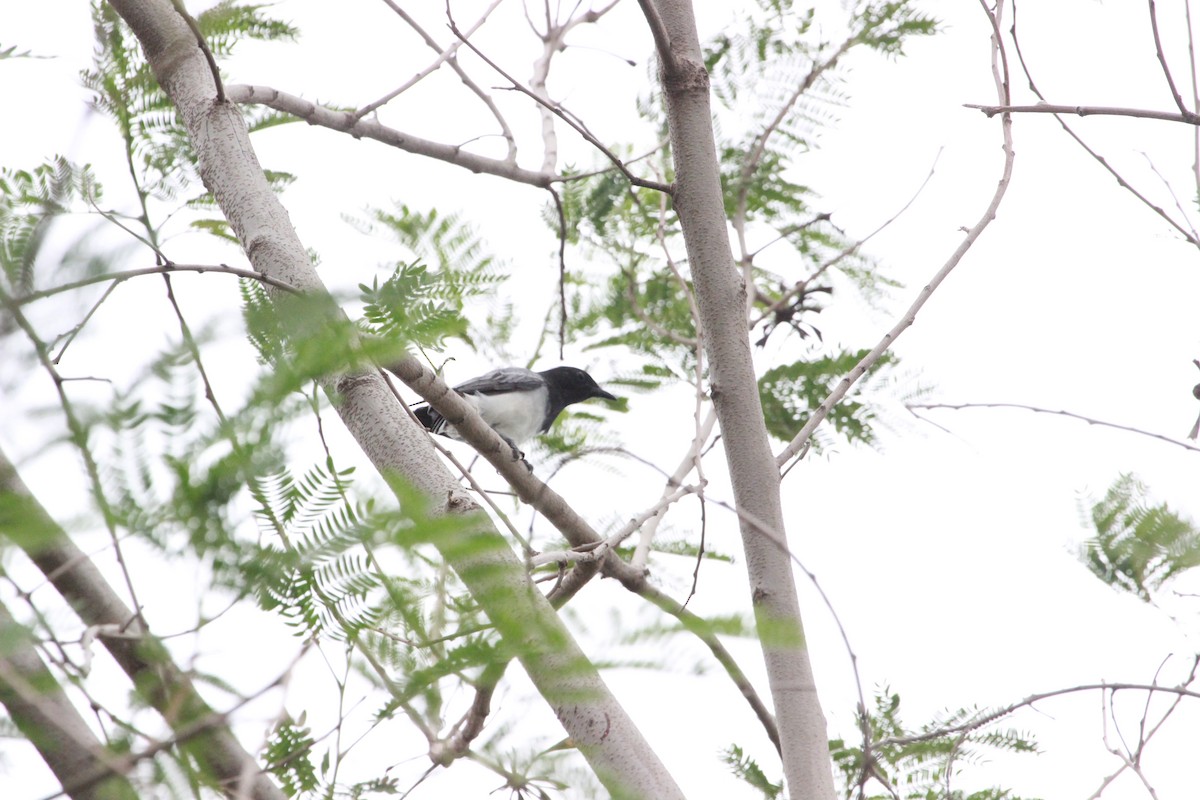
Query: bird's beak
[598, 392]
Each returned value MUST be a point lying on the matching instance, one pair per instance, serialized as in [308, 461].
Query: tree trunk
[721, 297]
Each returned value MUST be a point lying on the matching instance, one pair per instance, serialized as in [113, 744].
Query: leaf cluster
[790, 391]
[920, 764]
[1139, 546]
[418, 304]
[30, 201]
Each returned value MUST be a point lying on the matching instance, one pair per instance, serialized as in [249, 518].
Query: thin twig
[662, 40]
[847, 251]
[1101, 160]
[991, 716]
[451, 59]
[570, 119]
[1062, 413]
[1162, 60]
[204, 48]
[562, 272]
[79, 436]
[162, 269]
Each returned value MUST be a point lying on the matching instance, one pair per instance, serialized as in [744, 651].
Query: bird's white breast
[517, 415]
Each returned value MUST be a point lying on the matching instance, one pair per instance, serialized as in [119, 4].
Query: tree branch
[346, 122]
[447, 56]
[1000, 72]
[46, 717]
[139, 654]
[1186, 117]
[721, 303]
[164, 269]
[1089, 420]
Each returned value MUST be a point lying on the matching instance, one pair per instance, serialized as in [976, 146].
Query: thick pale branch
[143, 657]
[346, 122]
[45, 715]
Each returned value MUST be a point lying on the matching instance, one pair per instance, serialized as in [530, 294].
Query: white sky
[949, 556]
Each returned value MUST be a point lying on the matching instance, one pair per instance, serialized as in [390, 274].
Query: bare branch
[662, 41]
[204, 48]
[164, 269]
[992, 716]
[447, 56]
[1101, 160]
[36, 702]
[1162, 60]
[1000, 73]
[346, 122]
[1036, 409]
[570, 119]
[752, 161]
[848, 251]
[1186, 117]
[141, 655]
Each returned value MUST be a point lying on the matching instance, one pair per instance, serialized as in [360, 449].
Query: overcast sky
[948, 551]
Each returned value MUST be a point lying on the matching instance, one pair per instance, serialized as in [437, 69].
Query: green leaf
[790, 392]
[1138, 546]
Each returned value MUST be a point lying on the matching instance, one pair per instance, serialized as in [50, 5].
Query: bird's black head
[570, 385]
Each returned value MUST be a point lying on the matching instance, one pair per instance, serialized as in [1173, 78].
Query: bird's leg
[516, 452]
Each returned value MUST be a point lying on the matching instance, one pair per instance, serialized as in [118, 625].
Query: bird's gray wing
[505, 379]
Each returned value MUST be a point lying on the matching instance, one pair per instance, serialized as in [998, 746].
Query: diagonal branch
[1101, 160]
[1000, 72]
[1162, 60]
[999, 713]
[163, 269]
[345, 122]
[600, 727]
[142, 656]
[577, 531]
[44, 714]
[447, 56]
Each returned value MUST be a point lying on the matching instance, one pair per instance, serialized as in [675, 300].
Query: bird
[518, 403]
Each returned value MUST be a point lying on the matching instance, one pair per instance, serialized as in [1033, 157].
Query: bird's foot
[517, 455]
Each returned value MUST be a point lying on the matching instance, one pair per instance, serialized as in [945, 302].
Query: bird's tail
[427, 417]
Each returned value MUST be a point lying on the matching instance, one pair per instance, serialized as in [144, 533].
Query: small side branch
[1000, 713]
[1185, 116]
